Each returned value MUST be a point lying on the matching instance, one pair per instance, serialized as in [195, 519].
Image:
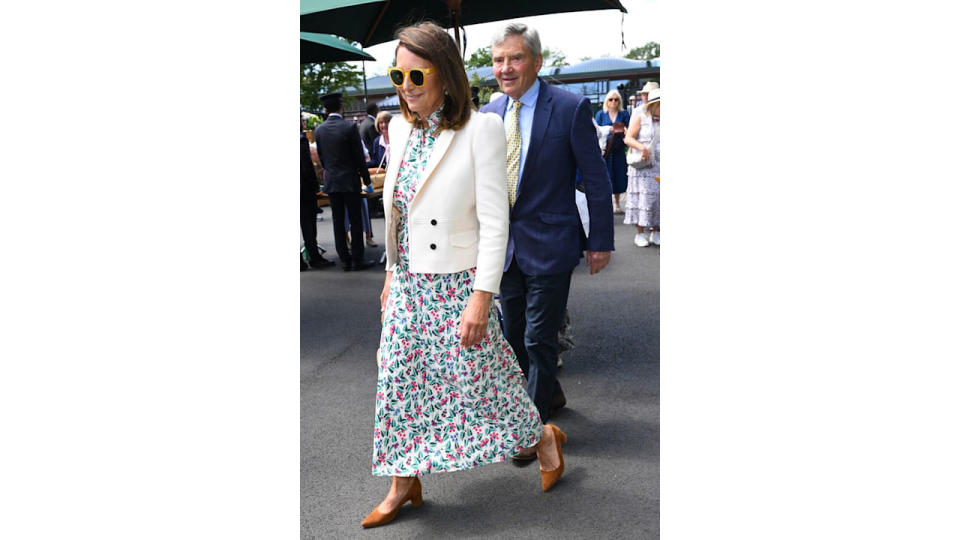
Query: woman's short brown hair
[434, 44]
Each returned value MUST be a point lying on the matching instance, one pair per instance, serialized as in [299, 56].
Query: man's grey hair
[531, 38]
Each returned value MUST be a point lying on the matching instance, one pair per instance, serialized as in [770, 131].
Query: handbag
[618, 129]
[635, 157]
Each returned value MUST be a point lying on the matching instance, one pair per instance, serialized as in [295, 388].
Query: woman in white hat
[642, 207]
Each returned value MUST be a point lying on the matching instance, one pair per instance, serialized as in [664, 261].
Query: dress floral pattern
[441, 408]
[642, 206]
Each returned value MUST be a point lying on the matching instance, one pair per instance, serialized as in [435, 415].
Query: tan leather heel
[549, 478]
[377, 518]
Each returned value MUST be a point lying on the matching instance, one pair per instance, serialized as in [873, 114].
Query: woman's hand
[385, 292]
[646, 152]
[473, 320]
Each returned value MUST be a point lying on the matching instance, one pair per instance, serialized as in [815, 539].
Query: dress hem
[496, 458]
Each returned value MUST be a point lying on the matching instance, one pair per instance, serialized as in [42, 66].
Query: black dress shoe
[521, 460]
[320, 263]
[347, 267]
[559, 401]
[364, 265]
[303, 265]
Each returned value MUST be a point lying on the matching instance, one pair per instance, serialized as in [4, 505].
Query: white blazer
[459, 217]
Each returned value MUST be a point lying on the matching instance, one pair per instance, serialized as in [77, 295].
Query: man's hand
[597, 260]
[473, 320]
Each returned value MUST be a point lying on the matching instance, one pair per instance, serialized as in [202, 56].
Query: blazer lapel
[541, 117]
[439, 149]
[398, 146]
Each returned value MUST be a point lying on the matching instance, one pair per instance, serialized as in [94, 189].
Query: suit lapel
[439, 149]
[541, 117]
[502, 110]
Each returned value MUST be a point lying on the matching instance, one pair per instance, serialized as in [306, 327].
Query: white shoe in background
[655, 237]
[640, 240]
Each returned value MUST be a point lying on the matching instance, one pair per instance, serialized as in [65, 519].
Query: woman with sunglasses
[612, 114]
[450, 394]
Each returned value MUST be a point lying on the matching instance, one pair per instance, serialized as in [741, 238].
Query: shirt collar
[529, 98]
[334, 114]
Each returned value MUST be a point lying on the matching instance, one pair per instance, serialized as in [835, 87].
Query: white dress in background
[642, 206]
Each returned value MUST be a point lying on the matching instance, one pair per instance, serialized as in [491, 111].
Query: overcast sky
[586, 33]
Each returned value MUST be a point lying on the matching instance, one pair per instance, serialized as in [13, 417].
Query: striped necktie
[513, 153]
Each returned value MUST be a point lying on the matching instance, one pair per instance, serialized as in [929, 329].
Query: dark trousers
[533, 309]
[364, 207]
[308, 224]
[339, 202]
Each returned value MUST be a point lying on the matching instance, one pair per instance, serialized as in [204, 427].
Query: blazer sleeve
[493, 208]
[389, 212]
[596, 181]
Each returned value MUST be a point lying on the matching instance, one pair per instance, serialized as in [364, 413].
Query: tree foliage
[554, 58]
[648, 52]
[480, 58]
[484, 91]
[319, 79]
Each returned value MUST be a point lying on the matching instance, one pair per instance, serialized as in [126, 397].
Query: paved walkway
[612, 381]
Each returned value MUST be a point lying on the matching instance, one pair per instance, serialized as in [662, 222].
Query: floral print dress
[441, 408]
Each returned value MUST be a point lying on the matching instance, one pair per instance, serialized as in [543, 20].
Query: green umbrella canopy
[376, 21]
[316, 48]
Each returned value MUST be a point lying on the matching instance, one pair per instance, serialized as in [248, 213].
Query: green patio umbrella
[315, 48]
[376, 21]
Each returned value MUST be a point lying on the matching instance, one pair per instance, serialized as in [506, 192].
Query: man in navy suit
[550, 135]
[341, 154]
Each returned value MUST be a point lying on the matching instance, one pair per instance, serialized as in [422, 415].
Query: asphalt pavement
[611, 484]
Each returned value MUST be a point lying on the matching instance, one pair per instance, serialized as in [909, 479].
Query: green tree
[648, 52]
[485, 91]
[319, 79]
[480, 58]
[554, 58]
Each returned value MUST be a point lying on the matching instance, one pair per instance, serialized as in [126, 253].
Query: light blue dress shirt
[529, 100]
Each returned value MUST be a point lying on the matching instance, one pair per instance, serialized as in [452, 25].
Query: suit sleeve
[596, 181]
[316, 137]
[360, 161]
[493, 208]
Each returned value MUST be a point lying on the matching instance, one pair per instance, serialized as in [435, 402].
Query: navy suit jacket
[341, 155]
[544, 223]
[376, 153]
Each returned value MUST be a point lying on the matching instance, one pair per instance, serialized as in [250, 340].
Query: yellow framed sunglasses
[417, 75]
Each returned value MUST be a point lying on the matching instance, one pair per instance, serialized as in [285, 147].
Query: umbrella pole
[454, 7]
[364, 65]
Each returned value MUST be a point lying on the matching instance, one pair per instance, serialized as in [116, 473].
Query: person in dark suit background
[550, 135]
[308, 206]
[368, 127]
[341, 155]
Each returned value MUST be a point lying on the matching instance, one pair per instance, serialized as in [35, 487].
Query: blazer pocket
[463, 239]
[559, 219]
